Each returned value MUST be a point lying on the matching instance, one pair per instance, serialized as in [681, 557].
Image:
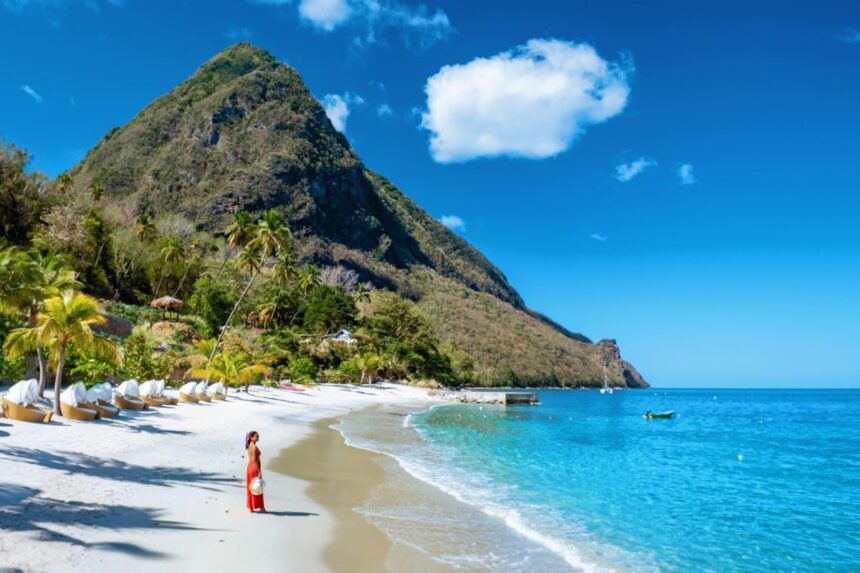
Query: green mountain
[244, 133]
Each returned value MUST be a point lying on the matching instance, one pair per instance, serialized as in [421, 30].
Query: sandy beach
[163, 490]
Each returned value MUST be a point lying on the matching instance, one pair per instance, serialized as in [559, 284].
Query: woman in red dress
[255, 469]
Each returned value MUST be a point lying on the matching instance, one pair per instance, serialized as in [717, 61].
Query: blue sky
[681, 176]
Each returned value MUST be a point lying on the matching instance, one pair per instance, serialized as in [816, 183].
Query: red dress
[254, 502]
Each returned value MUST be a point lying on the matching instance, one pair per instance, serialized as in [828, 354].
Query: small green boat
[649, 415]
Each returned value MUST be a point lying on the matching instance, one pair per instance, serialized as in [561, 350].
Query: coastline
[163, 490]
[341, 478]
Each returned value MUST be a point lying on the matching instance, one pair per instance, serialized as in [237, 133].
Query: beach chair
[149, 394]
[72, 401]
[25, 413]
[19, 403]
[99, 398]
[168, 400]
[125, 397]
[188, 393]
[217, 391]
[200, 391]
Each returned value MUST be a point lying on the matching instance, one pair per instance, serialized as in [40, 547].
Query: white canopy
[149, 388]
[159, 386]
[189, 388]
[129, 388]
[217, 388]
[201, 387]
[25, 392]
[100, 392]
[74, 395]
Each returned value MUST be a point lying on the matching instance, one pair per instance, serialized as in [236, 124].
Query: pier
[506, 398]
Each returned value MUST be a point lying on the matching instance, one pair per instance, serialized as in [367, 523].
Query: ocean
[738, 480]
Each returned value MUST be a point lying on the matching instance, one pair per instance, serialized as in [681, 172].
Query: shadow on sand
[291, 514]
[73, 463]
[22, 509]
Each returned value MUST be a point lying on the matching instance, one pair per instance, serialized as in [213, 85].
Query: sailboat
[606, 389]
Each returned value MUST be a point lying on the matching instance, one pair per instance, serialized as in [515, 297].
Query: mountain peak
[245, 134]
[231, 63]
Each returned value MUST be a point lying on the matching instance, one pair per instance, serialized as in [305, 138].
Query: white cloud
[686, 175]
[32, 93]
[453, 222]
[369, 18]
[627, 171]
[337, 108]
[384, 110]
[325, 14]
[598, 237]
[850, 36]
[532, 101]
[380, 14]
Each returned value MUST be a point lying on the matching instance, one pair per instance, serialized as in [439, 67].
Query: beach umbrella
[166, 303]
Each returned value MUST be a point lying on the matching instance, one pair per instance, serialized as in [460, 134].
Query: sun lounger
[28, 413]
[188, 393]
[217, 391]
[105, 409]
[152, 401]
[190, 398]
[72, 401]
[77, 413]
[124, 403]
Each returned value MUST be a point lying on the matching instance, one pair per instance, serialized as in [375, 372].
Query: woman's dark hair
[248, 437]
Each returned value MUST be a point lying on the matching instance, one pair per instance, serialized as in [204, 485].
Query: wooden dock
[506, 398]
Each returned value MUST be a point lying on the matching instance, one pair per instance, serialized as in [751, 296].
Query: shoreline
[163, 489]
[341, 478]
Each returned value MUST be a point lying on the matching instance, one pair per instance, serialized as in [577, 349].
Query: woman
[255, 470]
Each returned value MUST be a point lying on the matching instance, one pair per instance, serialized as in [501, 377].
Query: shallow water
[739, 480]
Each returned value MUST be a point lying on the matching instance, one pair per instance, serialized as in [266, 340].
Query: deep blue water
[739, 480]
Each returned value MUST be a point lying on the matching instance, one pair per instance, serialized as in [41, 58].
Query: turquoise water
[746, 480]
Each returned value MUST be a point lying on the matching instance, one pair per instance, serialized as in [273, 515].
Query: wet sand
[340, 478]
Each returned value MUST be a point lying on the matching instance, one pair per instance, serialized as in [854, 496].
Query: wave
[480, 499]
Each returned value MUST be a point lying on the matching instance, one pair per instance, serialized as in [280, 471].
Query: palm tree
[232, 369]
[145, 227]
[29, 279]
[145, 230]
[284, 269]
[369, 364]
[361, 293]
[309, 278]
[193, 249]
[270, 236]
[171, 253]
[239, 233]
[66, 319]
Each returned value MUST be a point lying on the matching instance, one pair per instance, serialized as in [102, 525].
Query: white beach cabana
[202, 391]
[19, 403]
[74, 405]
[217, 391]
[127, 396]
[188, 393]
[100, 397]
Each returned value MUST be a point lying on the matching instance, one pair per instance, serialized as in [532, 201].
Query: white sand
[163, 490]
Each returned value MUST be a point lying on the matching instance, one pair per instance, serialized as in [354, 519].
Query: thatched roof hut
[167, 303]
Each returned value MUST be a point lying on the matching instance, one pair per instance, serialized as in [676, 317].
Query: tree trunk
[181, 282]
[229, 318]
[43, 371]
[158, 286]
[58, 381]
